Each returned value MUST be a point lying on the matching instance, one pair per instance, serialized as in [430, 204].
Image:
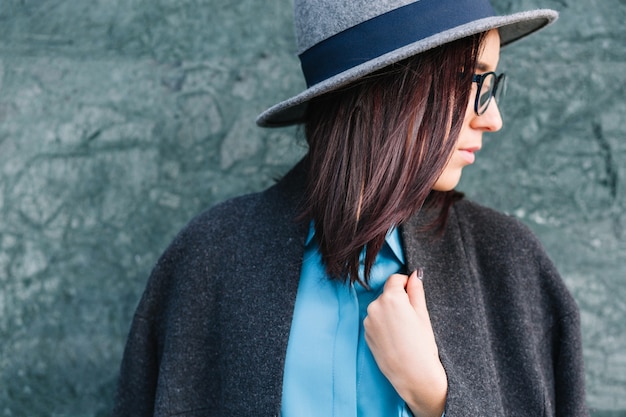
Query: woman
[362, 284]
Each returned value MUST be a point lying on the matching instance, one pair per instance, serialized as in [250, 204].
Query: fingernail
[420, 274]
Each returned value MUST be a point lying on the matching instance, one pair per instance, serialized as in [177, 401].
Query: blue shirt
[329, 369]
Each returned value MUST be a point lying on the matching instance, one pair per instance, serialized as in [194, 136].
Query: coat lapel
[259, 309]
[454, 300]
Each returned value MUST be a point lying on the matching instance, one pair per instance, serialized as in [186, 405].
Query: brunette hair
[376, 149]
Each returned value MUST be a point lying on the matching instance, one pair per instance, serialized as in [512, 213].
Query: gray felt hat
[340, 41]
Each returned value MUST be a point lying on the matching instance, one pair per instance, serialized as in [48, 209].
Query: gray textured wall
[121, 119]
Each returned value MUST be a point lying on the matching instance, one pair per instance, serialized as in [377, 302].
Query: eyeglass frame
[494, 93]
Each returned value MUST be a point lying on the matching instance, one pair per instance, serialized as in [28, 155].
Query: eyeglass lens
[490, 87]
[486, 92]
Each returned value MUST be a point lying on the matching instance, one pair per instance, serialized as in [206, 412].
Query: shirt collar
[392, 240]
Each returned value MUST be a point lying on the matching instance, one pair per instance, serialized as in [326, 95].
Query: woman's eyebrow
[481, 66]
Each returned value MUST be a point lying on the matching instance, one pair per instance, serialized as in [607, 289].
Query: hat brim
[511, 27]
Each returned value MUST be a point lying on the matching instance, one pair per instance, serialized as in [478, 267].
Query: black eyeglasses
[490, 85]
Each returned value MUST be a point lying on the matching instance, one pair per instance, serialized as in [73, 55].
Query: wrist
[428, 401]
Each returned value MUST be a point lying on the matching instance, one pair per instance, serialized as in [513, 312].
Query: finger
[396, 281]
[415, 289]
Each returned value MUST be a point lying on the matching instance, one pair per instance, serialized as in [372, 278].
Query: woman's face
[470, 139]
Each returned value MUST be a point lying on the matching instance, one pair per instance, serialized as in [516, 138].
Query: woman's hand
[400, 336]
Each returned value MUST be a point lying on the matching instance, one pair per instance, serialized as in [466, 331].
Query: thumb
[415, 289]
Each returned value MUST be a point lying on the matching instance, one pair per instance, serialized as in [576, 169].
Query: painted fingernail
[420, 274]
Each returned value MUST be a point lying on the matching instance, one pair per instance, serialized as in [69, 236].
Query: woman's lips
[468, 154]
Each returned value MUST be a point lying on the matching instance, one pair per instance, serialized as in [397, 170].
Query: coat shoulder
[247, 221]
[502, 243]
[492, 226]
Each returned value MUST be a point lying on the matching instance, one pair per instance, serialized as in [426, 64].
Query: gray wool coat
[210, 333]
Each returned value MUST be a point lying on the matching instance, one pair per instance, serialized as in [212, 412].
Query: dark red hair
[377, 147]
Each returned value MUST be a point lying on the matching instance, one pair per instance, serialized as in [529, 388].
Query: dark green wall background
[121, 119]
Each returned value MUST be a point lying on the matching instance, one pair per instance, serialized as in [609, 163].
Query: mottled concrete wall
[121, 119]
